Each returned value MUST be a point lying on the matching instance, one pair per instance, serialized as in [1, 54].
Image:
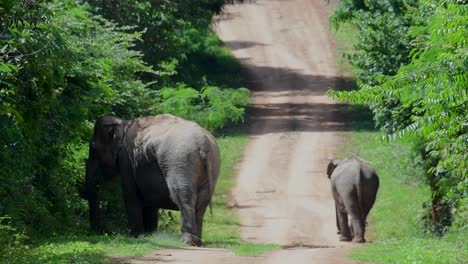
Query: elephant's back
[347, 170]
[158, 123]
[167, 134]
[161, 127]
[355, 171]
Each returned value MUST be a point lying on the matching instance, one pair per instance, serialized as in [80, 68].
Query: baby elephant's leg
[357, 221]
[342, 217]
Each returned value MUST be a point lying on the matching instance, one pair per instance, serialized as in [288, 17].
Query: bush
[10, 238]
[212, 107]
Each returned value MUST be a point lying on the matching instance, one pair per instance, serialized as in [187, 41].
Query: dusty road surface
[283, 194]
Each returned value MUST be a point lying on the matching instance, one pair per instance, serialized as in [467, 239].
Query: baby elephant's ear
[331, 166]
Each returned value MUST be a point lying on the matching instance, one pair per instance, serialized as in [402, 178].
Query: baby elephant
[354, 186]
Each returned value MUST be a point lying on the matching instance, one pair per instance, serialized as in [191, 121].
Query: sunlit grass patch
[346, 38]
[90, 249]
[416, 250]
[250, 249]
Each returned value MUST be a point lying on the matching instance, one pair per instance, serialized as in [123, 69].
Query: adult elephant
[164, 162]
[354, 187]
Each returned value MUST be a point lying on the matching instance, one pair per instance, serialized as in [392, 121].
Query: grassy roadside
[396, 226]
[345, 40]
[89, 249]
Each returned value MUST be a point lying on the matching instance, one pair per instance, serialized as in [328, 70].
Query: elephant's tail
[212, 168]
[360, 194]
[210, 154]
[209, 172]
[209, 169]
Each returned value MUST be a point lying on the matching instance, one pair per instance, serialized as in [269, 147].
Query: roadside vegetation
[410, 64]
[64, 63]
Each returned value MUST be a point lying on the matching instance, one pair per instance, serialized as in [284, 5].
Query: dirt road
[283, 195]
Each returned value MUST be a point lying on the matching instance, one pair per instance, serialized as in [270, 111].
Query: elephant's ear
[331, 166]
[110, 132]
[108, 126]
[107, 136]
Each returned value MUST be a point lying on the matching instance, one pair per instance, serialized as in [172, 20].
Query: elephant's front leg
[133, 206]
[150, 219]
[134, 216]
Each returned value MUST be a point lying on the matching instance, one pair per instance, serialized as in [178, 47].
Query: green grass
[414, 250]
[396, 225]
[89, 249]
[345, 40]
[250, 249]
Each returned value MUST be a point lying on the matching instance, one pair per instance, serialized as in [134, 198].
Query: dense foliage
[62, 65]
[424, 96]
[383, 43]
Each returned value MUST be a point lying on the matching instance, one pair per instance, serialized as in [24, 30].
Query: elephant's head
[331, 166]
[103, 155]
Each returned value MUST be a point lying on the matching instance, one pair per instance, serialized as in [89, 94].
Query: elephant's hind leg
[189, 226]
[182, 193]
[203, 200]
[367, 204]
[345, 233]
[133, 206]
[357, 221]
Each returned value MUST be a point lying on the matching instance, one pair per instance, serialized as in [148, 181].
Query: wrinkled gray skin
[354, 186]
[164, 162]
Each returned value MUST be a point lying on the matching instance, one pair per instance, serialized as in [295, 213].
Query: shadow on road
[283, 114]
[274, 79]
[235, 45]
